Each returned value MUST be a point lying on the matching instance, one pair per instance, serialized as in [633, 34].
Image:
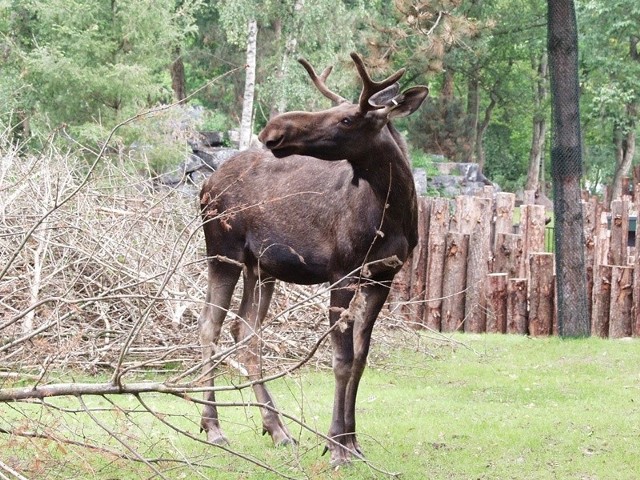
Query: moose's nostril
[273, 143]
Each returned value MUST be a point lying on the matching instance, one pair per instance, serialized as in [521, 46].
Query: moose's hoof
[217, 438]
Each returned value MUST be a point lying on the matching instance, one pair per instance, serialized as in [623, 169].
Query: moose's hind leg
[255, 303]
[222, 279]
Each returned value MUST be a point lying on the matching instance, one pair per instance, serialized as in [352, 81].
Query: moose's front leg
[351, 342]
[342, 343]
[372, 299]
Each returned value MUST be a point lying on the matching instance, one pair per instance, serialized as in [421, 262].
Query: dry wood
[541, 294]
[454, 282]
[590, 226]
[438, 227]
[601, 301]
[529, 197]
[517, 306]
[504, 206]
[497, 303]
[620, 320]
[400, 295]
[419, 265]
[619, 232]
[532, 227]
[509, 255]
[478, 260]
[465, 216]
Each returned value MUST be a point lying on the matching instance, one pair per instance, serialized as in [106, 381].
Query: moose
[330, 199]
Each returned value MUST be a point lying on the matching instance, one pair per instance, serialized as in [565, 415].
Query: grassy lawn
[472, 407]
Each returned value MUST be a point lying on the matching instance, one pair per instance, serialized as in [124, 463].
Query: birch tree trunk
[249, 86]
[539, 125]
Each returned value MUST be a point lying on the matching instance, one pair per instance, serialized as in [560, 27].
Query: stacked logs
[480, 267]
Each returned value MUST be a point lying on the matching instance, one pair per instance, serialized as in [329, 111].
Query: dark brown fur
[334, 193]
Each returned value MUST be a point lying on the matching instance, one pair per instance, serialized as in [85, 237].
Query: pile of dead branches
[93, 262]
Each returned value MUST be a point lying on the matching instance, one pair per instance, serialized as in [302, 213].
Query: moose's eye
[347, 121]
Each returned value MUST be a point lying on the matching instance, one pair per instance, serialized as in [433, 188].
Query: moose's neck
[386, 168]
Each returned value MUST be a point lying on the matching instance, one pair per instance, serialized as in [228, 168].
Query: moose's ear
[384, 97]
[406, 103]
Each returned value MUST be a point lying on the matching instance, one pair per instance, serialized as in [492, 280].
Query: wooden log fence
[479, 267]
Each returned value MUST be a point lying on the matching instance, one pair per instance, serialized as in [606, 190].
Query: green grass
[478, 407]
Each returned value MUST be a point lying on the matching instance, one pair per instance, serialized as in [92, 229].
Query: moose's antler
[370, 87]
[319, 82]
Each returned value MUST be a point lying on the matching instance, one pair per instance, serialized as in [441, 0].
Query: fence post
[438, 227]
[620, 308]
[619, 232]
[496, 303]
[601, 301]
[478, 266]
[532, 226]
[541, 294]
[508, 255]
[517, 306]
[455, 281]
[419, 264]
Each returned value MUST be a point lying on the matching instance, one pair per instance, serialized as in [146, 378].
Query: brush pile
[97, 266]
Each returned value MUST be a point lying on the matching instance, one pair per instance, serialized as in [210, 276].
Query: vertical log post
[517, 306]
[590, 225]
[508, 255]
[455, 281]
[478, 266]
[505, 204]
[620, 308]
[532, 224]
[619, 232]
[400, 293]
[497, 303]
[601, 301]
[419, 264]
[603, 237]
[541, 294]
[438, 227]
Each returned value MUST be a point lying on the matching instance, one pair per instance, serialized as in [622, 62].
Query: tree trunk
[566, 160]
[447, 84]
[624, 136]
[249, 86]
[473, 105]
[625, 150]
[539, 125]
[290, 47]
[482, 128]
[177, 77]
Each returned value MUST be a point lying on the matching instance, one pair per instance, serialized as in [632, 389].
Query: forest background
[79, 67]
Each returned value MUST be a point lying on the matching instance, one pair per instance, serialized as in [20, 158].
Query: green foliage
[441, 127]
[89, 65]
[82, 62]
[215, 121]
[159, 142]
